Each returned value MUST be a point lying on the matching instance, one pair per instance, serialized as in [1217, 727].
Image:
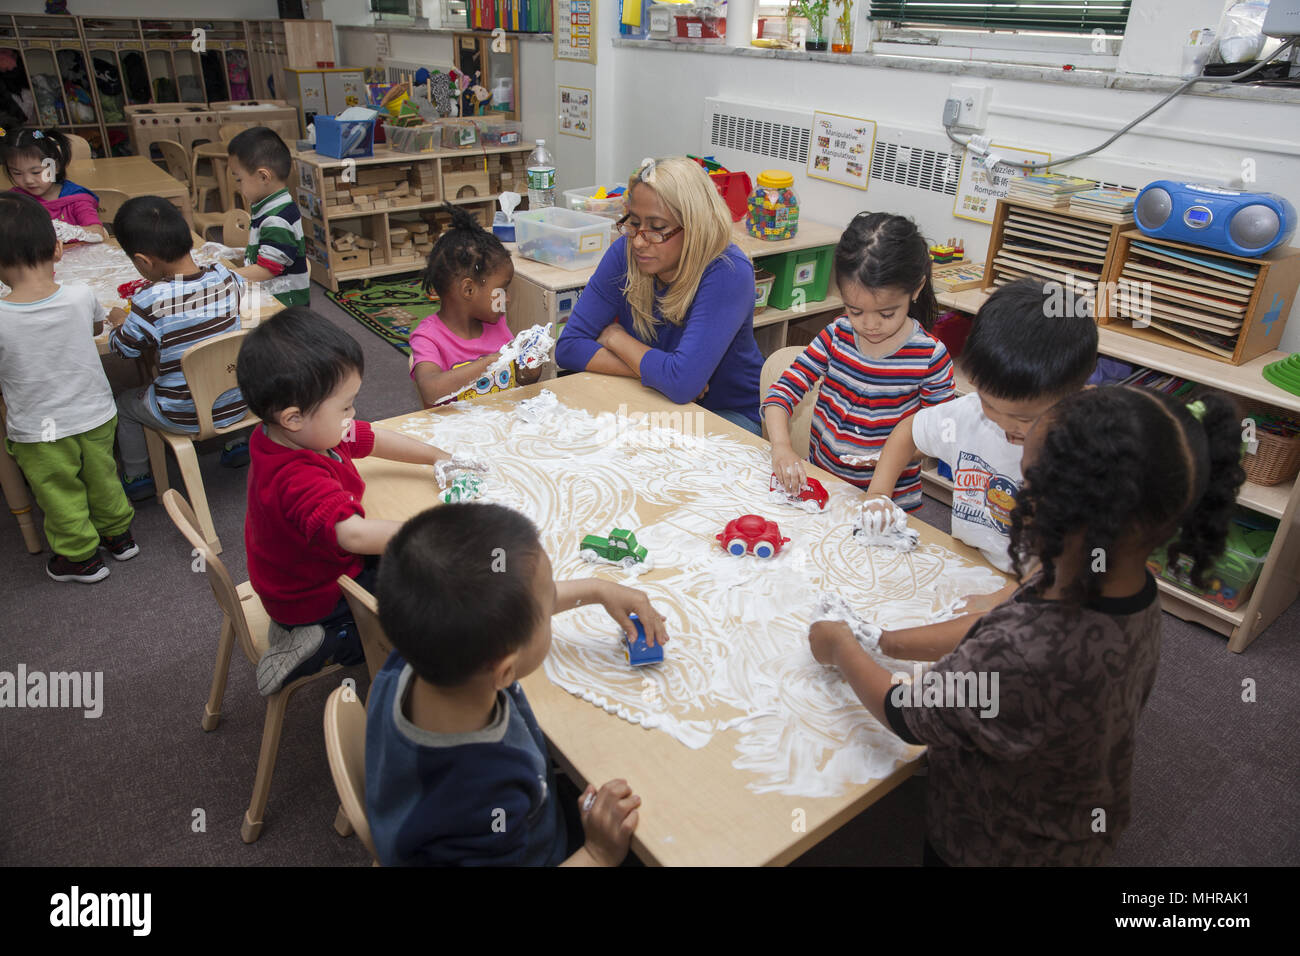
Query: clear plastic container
[412, 139]
[773, 207]
[500, 133]
[583, 200]
[561, 237]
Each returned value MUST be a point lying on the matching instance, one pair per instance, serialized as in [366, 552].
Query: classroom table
[135, 176]
[698, 809]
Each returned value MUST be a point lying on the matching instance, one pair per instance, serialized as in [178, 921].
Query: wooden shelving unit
[317, 186]
[1279, 583]
[82, 72]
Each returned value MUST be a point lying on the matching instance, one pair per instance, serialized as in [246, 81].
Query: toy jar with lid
[773, 207]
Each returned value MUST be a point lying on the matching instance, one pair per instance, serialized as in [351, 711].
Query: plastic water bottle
[541, 177]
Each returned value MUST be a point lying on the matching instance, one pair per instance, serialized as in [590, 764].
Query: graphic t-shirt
[433, 342]
[985, 472]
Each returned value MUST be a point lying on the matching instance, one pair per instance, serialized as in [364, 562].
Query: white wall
[171, 9]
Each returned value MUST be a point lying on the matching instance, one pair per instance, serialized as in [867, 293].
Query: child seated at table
[451, 350]
[305, 524]
[37, 163]
[59, 412]
[878, 361]
[182, 307]
[277, 253]
[1037, 771]
[457, 769]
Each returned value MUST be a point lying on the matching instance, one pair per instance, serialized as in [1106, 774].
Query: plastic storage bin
[458, 133]
[773, 211]
[662, 26]
[412, 139]
[763, 281]
[347, 140]
[1231, 580]
[561, 237]
[808, 270]
[701, 23]
[507, 133]
[581, 200]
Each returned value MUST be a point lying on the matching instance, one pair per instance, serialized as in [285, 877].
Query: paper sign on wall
[575, 30]
[979, 189]
[840, 149]
[575, 111]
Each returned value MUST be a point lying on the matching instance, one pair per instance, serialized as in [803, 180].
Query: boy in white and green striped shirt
[276, 253]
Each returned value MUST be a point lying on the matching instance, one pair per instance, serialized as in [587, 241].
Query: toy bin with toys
[1229, 582]
[806, 270]
[561, 237]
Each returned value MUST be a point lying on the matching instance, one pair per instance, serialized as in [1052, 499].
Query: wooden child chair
[345, 747]
[801, 421]
[235, 229]
[79, 147]
[110, 201]
[243, 619]
[365, 611]
[180, 165]
[209, 369]
[229, 131]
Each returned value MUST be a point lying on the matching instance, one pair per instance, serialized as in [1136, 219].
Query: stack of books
[1048, 189]
[515, 16]
[1107, 202]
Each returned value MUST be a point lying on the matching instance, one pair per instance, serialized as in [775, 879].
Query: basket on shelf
[1276, 458]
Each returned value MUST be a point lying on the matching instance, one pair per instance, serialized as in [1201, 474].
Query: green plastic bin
[806, 269]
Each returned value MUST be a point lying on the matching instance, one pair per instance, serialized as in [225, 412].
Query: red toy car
[811, 491]
[753, 534]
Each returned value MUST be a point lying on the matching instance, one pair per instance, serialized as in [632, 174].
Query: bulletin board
[840, 149]
[575, 30]
[978, 192]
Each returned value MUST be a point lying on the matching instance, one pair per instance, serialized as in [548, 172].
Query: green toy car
[620, 548]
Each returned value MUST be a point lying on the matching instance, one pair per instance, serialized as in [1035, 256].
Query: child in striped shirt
[276, 255]
[878, 362]
[184, 305]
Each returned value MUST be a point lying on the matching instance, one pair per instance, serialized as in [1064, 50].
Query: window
[1041, 16]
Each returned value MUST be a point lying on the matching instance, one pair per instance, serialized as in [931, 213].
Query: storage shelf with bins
[1279, 583]
[115, 62]
[373, 213]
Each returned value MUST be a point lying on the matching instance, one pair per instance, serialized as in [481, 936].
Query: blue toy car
[639, 652]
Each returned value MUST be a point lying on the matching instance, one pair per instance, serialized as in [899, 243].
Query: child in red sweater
[305, 524]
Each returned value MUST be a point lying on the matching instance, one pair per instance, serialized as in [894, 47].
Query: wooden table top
[134, 175]
[718, 804]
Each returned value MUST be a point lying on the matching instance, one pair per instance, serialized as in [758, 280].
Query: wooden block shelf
[393, 198]
[1227, 308]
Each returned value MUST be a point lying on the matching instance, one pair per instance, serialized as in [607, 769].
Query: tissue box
[345, 139]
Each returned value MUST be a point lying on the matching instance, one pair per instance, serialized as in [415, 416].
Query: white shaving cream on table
[738, 661]
[885, 529]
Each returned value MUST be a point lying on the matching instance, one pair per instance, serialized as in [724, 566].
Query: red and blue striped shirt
[863, 398]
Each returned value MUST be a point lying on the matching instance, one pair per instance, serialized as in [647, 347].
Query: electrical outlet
[973, 105]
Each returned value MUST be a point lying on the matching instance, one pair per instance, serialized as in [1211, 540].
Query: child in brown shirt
[1039, 773]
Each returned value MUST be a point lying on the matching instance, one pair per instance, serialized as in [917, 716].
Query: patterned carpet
[391, 309]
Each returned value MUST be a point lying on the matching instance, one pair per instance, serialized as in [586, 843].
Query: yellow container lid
[775, 179]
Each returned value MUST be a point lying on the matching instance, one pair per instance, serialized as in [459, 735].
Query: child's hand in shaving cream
[622, 601]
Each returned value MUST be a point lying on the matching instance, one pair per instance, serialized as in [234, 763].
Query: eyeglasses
[652, 236]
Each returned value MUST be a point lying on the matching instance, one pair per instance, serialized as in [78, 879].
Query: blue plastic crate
[350, 139]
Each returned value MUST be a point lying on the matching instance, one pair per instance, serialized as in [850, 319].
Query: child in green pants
[60, 416]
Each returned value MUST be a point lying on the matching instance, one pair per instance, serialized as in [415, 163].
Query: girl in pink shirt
[37, 163]
[452, 349]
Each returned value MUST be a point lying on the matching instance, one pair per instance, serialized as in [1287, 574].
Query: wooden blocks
[466, 184]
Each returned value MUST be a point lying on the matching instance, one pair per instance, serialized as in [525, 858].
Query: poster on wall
[575, 111]
[575, 30]
[978, 191]
[840, 150]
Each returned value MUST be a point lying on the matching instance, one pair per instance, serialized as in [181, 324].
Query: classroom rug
[391, 309]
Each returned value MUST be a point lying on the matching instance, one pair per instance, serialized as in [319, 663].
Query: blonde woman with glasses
[672, 301]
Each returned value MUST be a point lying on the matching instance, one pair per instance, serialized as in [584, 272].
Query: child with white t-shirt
[59, 414]
[1021, 358]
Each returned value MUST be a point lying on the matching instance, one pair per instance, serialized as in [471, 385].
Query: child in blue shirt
[457, 770]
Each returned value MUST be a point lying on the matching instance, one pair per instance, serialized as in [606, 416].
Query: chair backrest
[177, 159]
[110, 201]
[801, 422]
[365, 611]
[229, 131]
[209, 368]
[223, 588]
[345, 747]
[80, 146]
[235, 230]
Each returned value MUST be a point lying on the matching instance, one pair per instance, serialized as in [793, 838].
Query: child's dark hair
[152, 226]
[27, 238]
[1031, 340]
[45, 143]
[1124, 464]
[879, 249]
[295, 358]
[465, 249]
[448, 602]
[261, 148]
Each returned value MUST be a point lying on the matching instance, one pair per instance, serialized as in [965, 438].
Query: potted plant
[842, 42]
[815, 12]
